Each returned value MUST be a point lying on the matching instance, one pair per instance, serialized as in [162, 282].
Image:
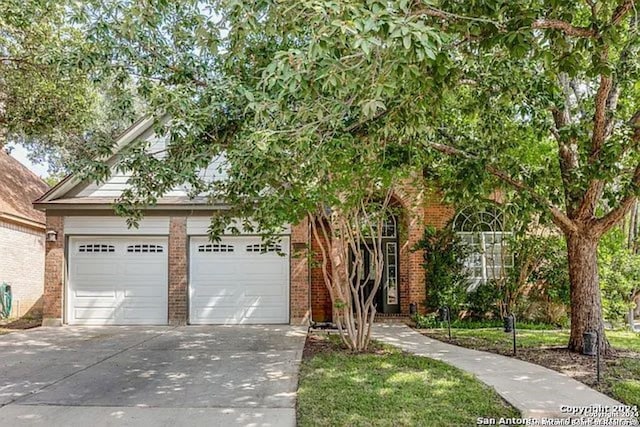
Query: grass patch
[621, 372]
[388, 388]
[628, 391]
[432, 321]
[619, 339]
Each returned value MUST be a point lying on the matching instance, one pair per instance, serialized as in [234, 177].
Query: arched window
[482, 231]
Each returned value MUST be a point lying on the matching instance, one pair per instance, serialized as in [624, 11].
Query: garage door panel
[247, 315]
[268, 288]
[208, 267]
[108, 285]
[98, 301]
[138, 312]
[142, 292]
[264, 291]
[92, 267]
[95, 314]
[239, 286]
[261, 267]
[95, 292]
[146, 271]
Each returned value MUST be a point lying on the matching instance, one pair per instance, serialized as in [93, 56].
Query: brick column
[299, 294]
[415, 259]
[178, 286]
[54, 274]
[412, 275]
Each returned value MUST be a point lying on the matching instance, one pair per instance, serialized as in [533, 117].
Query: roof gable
[72, 191]
[70, 182]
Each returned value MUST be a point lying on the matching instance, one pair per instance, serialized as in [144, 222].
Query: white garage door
[238, 280]
[117, 281]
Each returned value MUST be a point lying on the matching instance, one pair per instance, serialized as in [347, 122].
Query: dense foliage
[620, 276]
[537, 98]
[444, 256]
[47, 102]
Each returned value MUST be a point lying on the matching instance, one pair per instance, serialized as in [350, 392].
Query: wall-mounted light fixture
[52, 236]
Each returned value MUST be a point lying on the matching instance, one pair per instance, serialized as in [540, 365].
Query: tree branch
[603, 224]
[623, 8]
[565, 27]
[559, 218]
[600, 116]
[438, 13]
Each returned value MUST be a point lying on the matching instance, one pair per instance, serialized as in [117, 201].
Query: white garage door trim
[117, 280]
[115, 225]
[234, 281]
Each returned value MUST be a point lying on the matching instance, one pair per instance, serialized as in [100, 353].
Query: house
[22, 236]
[166, 271]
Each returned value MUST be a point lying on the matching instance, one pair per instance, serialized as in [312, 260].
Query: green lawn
[390, 388]
[620, 339]
[621, 373]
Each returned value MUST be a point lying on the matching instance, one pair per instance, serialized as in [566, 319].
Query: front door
[387, 299]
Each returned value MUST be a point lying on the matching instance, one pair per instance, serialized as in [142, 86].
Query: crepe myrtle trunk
[586, 302]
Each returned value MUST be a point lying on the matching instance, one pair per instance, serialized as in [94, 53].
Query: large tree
[537, 97]
[551, 108]
[48, 102]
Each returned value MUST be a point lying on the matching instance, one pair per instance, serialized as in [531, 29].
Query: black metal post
[598, 357]
[449, 321]
[513, 316]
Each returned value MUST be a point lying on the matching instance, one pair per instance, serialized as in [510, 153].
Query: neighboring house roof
[19, 187]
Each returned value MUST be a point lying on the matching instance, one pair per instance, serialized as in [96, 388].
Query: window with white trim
[489, 256]
[392, 273]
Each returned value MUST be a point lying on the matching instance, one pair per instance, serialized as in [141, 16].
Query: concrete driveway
[155, 376]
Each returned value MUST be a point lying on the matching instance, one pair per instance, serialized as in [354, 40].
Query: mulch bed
[558, 358]
[319, 342]
[316, 344]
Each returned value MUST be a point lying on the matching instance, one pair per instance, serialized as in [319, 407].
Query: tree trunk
[586, 303]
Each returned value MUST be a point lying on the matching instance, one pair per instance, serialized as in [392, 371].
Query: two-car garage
[121, 276]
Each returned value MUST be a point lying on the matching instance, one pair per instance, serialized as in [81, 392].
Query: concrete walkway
[537, 392]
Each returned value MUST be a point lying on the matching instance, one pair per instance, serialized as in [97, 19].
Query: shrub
[484, 301]
[446, 283]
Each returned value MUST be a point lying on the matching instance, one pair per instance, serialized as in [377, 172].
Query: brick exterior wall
[308, 294]
[436, 212]
[321, 308]
[412, 279]
[54, 277]
[178, 271]
[22, 266]
[417, 209]
[300, 286]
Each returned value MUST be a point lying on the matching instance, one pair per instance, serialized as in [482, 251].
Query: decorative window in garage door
[259, 247]
[96, 248]
[145, 248]
[215, 247]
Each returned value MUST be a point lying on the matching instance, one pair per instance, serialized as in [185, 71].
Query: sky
[20, 153]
